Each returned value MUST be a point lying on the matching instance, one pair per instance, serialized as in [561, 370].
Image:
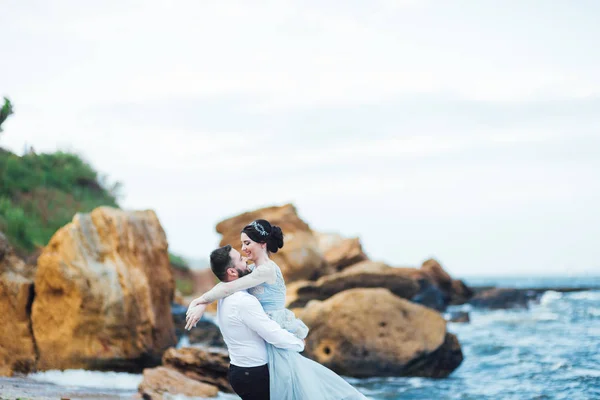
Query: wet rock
[458, 317]
[498, 298]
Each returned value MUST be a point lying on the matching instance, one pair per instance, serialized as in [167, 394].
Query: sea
[549, 351]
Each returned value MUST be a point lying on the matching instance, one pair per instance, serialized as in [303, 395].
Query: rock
[17, 348]
[207, 334]
[366, 274]
[204, 365]
[161, 380]
[300, 258]
[104, 289]
[441, 362]
[503, 298]
[340, 252]
[430, 296]
[455, 291]
[204, 280]
[460, 293]
[458, 317]
[371, 332]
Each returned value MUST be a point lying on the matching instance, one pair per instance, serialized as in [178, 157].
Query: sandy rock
[455, 291]
[371, 332]
[340, 252]
[104, 289]
[205, 365]
[366, 274]
[161, 380]
[17, 349]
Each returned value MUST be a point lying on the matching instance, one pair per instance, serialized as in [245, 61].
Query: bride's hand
[194, 303]
[194, 315]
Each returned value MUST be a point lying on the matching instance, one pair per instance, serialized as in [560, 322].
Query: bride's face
[250, 248]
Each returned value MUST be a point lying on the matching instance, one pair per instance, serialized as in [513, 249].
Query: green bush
[39, 193]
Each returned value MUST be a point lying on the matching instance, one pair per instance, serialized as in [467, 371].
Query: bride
[292, 376]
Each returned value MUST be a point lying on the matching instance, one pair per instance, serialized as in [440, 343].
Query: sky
[468, 131]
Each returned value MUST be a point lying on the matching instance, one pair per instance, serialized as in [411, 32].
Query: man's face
[239, 263]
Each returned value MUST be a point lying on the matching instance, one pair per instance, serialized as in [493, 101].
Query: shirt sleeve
[261, 274]
[252, 315]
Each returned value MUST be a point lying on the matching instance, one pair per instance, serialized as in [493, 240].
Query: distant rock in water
[498, 298]
[17, 350]
[103, 293]
[371, 332]
[458, 317]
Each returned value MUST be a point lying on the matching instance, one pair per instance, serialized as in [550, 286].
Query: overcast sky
[464, 130]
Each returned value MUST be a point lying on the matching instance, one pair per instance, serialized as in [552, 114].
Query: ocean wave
[590, 295]
[90, 379]
[550, 297]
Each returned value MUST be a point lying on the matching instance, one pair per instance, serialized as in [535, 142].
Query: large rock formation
[340, 252]
[17, 348]
[161, 381]
[371, 332]
[104, 289]
[366, 274]
[300, 257]
[204, 365]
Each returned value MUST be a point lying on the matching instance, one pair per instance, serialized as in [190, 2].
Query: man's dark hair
[220, 260]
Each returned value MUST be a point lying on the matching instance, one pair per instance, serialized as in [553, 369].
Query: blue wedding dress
[292, 376]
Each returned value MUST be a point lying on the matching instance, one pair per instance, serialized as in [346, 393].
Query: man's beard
[242, 272]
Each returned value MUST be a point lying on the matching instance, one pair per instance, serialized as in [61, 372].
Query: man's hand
[194, 315]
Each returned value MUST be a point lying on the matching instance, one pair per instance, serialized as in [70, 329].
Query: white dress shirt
[246, 328]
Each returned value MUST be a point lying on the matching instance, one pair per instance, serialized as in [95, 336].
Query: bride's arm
[261, 274]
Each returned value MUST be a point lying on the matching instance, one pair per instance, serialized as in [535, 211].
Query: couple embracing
[263, 337]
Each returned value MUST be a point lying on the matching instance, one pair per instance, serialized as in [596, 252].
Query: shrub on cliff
[39, 193]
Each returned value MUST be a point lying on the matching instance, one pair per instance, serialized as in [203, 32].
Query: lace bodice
[271, 296]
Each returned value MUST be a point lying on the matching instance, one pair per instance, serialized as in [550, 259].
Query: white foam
[90, 379]
[549, 297]
[595, 295]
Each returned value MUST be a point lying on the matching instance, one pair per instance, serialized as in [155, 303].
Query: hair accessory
[259, 228]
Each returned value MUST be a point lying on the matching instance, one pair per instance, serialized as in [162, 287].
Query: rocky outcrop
[371, 332]
[455, 291]
[300, 258]
[366, 274]
[441, 362]
[160, 381]
[340, 252]
[206, 333]
[17, 347]
[461, 317]
[204, 365]
[498, 298]
[104, 289]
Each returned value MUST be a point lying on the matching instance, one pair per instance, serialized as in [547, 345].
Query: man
[245, 328]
